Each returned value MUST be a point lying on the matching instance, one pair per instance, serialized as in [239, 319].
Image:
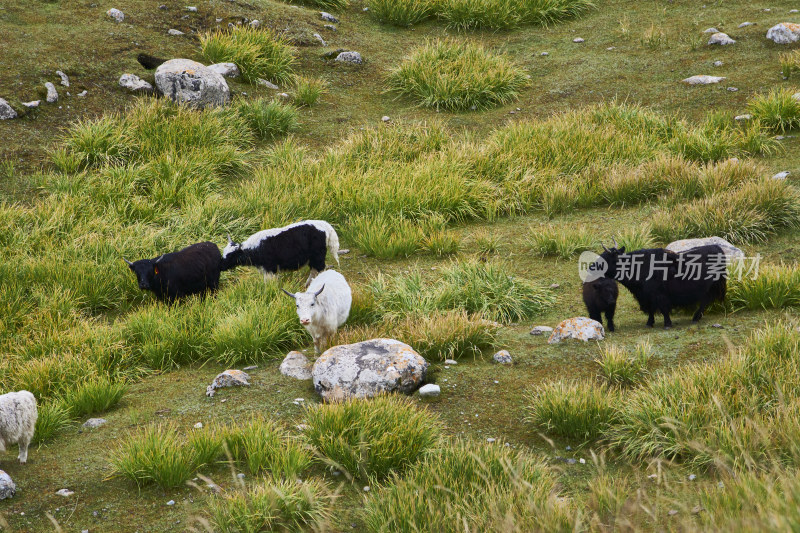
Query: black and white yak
[288, 248]
[192, 270]
[661, 280]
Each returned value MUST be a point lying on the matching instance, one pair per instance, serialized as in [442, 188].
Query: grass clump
[307, 91]
[370, 439]
[455, 76]
[790, 63]
[771, 287]
[264, 448]
[259, 53]
[93, 396]
[268, 119]
[273, 506]
[469, 487]
[466, 15]
[54, 417]
[577, 410]
[620, 368]
[562, 242]
[400, 12]
[777, 110]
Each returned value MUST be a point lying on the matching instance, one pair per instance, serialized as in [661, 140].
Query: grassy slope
[570, 75]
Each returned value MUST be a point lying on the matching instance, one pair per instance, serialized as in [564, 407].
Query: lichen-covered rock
[296, 365]
[134, 83]
[52, 93]
[502, 357]
[7, 486]
[116, 14]
[94, 423]
[192, 83]
[6, 111]
[228, 70]
[365, 369]
[349, 57]
[731, 251]
[64, 78]
[784, 33]
[721, 39]
[229, 378]
[703, 79]
[581, 328]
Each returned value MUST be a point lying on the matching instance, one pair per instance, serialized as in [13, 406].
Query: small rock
[229, 378]
[568, 448]
[191, 83]
[692, 477]
[429, 390]
[199, 425]
[720, 39]
[285, 96]
[134, 83]
[192, 9]
[116, 14]
[255, 23]
[296, 365]
[711, 30]
[344, 251]
[784, 33]
[171, 503]
[218, 20]
[162, 6]
[652, 476]
[173, 31]
[267, 84]
[94, 423]
[718, 63]
[64, 78]
[746, 116]
[330, 27]
[582, 461]
[571, 461]
[65, 492]
[779, 137]
[83, 93]
[6, 111]
[781, 175]
[541, 330]
[491, 440]
[34, 103]
[451, 362]
[746, 24]
[730, 251]
[327, 17]
[7, 486]
[319, 38]
[611, 48]
[240, 475]
[52, 93]
[697, 509]
[349, 57]
[366, 489]
[672, 512]
[502, 357]
[732, 89]
[554, 285]
[229, 70]
[578, 40]
[544, 54]
[703, 80]
[302, 427]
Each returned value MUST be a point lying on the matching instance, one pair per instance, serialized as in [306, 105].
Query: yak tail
[332, 241]
[718, 290]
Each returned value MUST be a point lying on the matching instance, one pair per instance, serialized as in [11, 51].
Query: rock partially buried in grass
[430, 390]
[746, 24]
[711, 30]
[52, 93]
[368, 368]
[349, 57]
[134, 83]
[781, 175]
[7, 487]
[192, 83]
[296, 365]
[703, 79]
[116, 14]
[94, 423]
[173, 31]
[228, 70]
[64, 78]
[6, 111]
[731, 251]
[541, 330]
[327, 17]
[229, 378]
[502, 357]
[581, 328]
[721, 39]
[65, 492]
[784, 33]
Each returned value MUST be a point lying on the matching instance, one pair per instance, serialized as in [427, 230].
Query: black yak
[661, 280]
[193, 270]
[600, 296]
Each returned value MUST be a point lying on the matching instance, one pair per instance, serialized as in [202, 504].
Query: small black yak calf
[600, 296]
[661, 280]
[193, 270]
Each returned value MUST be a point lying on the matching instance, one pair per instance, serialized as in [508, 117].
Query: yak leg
[702, 308]
[23, 450]
[651, 319]
[610, 316]
[311, 275]
[665, 309]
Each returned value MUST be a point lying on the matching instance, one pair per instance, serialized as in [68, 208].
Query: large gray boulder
[192, 83]
[784, 33]
[7, 486]
[296, 365]
[6, 111]
[365, 369]
[731, 251]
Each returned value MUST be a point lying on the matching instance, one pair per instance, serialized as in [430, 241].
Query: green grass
[307, 91]
[457, 76]
[466, 15]
[259, 53]
[91, 397]
[268, 119]
[262, 446]
[778, 110]
[401, 12]
[54, 417]
[562, 242]
[770, 287]
[618, 367]
[577, 410]
[790, 63]
[371, 439]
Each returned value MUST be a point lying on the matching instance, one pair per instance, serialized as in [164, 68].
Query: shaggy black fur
[600, 296]
[290, 249]
[193, 270]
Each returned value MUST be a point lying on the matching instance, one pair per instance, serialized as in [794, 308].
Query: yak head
[610, 256]
[231, 253]
[147, 272]
[306, 303]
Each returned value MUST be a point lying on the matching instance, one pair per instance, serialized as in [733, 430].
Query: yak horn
[604, 247]
[289, 293]
[319, 291]
[230, 241]
[615, 242]
[129, 263]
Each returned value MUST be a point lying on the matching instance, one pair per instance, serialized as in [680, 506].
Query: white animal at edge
[18, 414]
[324, 306]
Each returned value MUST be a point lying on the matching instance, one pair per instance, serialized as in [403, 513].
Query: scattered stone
[255, 23]
[672, 512]
[94, 423]
[330, 27]
[721, 39]
[779, 137]
[611, 48]
[385, 118]
[190, 82]
[731, 251]
[718, 63]
[451, 362]
[429, 390]
[240, 475]
[218, 20]
[746, 24]
[34, 103]
[697, 509]
[171, 503]
[83, 93]
[711, 30]
[268, 84]
[781, 175]
[65, 492]
[541, 330]
[692, 477]
[7, 487]
[319, 38]
[6, 111]
[331, 54]
[134, 83]
[568, 448]
[502, 357]
[581, 328]
[52, 93]
[296, 365]
[199, 425]
[344, 251]
[718, 326]
[578, 40]
[784, 33]
[228, 70]
[368, 368]
[554, 285]
[366, 489]
[173, 31]
[285, 96]
[162, 6]
[302, 427]
[229, 378]
[490, 440]
[703, 80]
[740, 118]
[544, 54]
[64, 78]
[582, 461]
[349, 57]
[193, 9]
[732, 89]
[116, 14]
[327, 17]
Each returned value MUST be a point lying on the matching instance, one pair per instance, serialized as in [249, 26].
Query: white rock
[193, 9]
[544, 54]
[268, 85]
[781, 175]
[784, 33]
[429, 390]
[6, 111]
[796, 96]
[711, 30]
[385, 118]
[199, 425]
[83, 93]
[65, 492]
[228, 70]
[173, 31]
[368, 368]
[746, 116]
[319, 38]
[541, 330]
[116, 14]
[189, 82]
[255, 23]
[683, 245]
[718, 63]
[721, 39]
[329, 27]
[746, 24]
[33, 104]
[578, 40]
[64, 78]
[349, 57]
[703, 80]
[94, 423]
[328, 17]
[171, 503]
[134, 83]
[296, 365]
[451, 362]
[490, 440]
[7, 486]
[581, 328]
[502, 357]
[732, 89]
[229, 378]
[52, 93]
[611, 48]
